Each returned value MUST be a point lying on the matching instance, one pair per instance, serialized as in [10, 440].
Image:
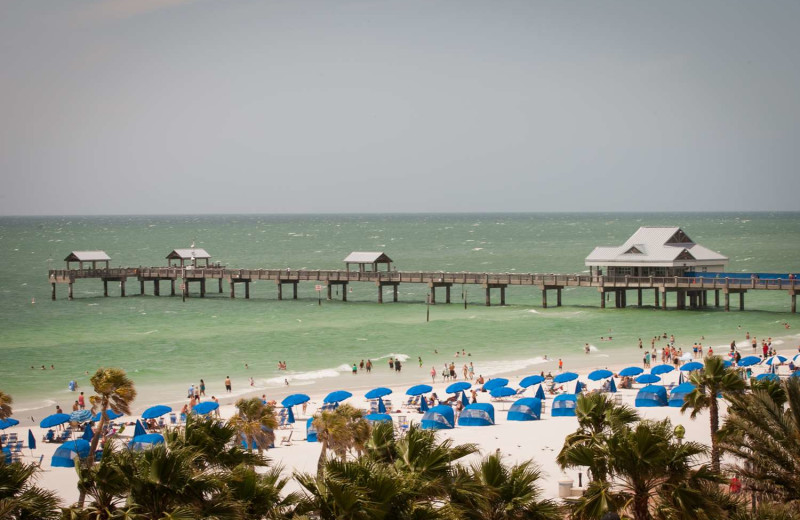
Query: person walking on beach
[228, 384]
[465, 371]
[420, 361]
[216, 412]
[398, 366]
[369, 366]
[355, 369]
[391, 363]
[81, 402]
[471, 371]
[560, 365]
[202, 388]
[433, 374]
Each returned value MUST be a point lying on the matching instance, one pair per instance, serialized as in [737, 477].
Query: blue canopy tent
[378, 417]
[652, 395]
[65, 455]
[692, 366]
[377, 393]
[540, 393]
[205, 407]
[156, 411]
[311, 432]
[419, 390]
[439, 417]
[647, 379]
[477, 414]
[677, 395]
[337, 396]
[661, 369]
[630, 371]
[597, 375]
[525, 409]
[566, 377]
[110, 415]
[148, 440]
[749, 361]
[531, 380]
[54, 420]
[8, 423]
[564, 405]
[497, 382]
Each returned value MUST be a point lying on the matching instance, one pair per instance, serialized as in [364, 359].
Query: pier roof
[360, 257]
[186, 254]
[87, 256]
[656, 246]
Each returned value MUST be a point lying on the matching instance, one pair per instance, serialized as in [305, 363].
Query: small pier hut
[365, 259]
[655, 251]
[191, 257]
[88, 257]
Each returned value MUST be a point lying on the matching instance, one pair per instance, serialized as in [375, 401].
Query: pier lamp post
[428, 308]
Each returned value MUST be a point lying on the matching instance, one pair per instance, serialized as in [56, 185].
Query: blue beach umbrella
[502, 391]
[381, 405]
[631, 371]
[749, 361]
[289, 415]
[88, 433]
[419, 390]
[54, 420]
[694, 365]
[337, 396]
[661, 369]
[295, 399]
[31, 440]
[458, 387]
[8, 423]
[727, 363]
[80, 416]
[65, 455]
[141, 442]
[612, 387]
[648, 379]
[540, 393]
[680, 378]
[464, 399]
[377, 393]
[578, 387]
[139, 429]
[531, 380]
[110, 415]
[423, 405]
[597, 375]
[156, 411]
[566, 377]
[776, 360]
[495, 383]
[205, 407]
[771, 377]
[378, 417]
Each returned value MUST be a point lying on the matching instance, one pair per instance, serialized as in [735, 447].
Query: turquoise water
[165, 343]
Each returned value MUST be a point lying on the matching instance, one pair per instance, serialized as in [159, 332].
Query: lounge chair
[288, 439]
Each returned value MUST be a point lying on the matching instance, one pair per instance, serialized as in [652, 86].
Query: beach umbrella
[8, 423]
[289, 415]
[141, 442]
[205, 407]
[464, 399]
[749, 361]
[379, 392]
[156, 411]
[502, 391]
[540, 393]
[295, 399]
[381, 405]
[630, 371]
[661, 369]
[776, 360]
[88, 433]
[139, 429]
[54, 420]
[531, 380]
[31, 441]
[337, 396]
[80, 416]
[65, 455]
[680, 378]
[458, 387]
[611, 386]
[694, 365]
[566, 377]
[648, 379]
[578, 387]
[495, 383]
[419, 390]
[727, 363]
[597, 375]
[110, 415]
[423, 405]
[378, 417]
[795, 358]
[771, 377]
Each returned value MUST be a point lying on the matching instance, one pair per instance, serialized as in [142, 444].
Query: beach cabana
[65, 455]
[311, 431]
[564, 405]
[678, 394]
[439, 417]
[378, 417]
[652, 395]
[525, 409]
[478, 414]
[148, 440]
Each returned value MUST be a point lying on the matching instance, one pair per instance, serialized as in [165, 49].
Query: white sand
[538, 440]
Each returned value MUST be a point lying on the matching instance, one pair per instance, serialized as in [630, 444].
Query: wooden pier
[685, 292]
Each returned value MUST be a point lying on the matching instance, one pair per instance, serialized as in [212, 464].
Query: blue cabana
[148, 440]
[564, 405]
[65, 455]
[478, 414]
[525, 409]
[311, 432]
[678, 394]
[652, 395]
[439, 417]
[378, 417]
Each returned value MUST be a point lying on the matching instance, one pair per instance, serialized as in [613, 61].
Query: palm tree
[340, 431]
[261, 494]
[115, 391]
[255, 422]
[5, 407]
[214, 442]
[20, 499]
[598, 417]
[714, 379]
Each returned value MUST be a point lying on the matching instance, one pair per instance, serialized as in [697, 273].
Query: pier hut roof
[657, 246]
[87, 256]
[360, 257]
[187, 254]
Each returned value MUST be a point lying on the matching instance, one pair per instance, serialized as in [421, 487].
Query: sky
[419, 106]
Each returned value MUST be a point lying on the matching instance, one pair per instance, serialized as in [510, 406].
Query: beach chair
[173, 419]
[373, 406]
[388, 404]
[402, 424]
[12, 437]
[288, 439]
[64, 437]
[17, 447]
[161, 423]
[39, 464]
[4, 439]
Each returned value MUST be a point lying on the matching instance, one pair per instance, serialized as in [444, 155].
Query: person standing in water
[228, 384]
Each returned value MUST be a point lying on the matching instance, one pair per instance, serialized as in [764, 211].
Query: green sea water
[166, 344]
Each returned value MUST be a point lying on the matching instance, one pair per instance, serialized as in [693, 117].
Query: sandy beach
[538, 440]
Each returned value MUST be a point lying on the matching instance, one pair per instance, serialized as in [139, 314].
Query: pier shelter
[192, 257]
[367, 261]
[88, 257]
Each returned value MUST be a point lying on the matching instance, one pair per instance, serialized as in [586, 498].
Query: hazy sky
[235, 106]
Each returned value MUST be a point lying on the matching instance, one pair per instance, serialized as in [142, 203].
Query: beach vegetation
[713, 380]
[20, 498]
[255, 422]
[341, 431]
[5, 408]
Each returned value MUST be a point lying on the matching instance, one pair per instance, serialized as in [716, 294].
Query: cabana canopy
[439, 417]
[311, 431]
[477, 414]
[564, 405]
[89, 257]
[678, 394]
[525, 409]
[363, 259]
[189, 257]
[652, 395]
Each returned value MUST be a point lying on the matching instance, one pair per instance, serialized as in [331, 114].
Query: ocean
[165, 344]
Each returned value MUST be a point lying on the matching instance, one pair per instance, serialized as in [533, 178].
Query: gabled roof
[361, 257]
[87, 256]
[188, 254]
[655, 245]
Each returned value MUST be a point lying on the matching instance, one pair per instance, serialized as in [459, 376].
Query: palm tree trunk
[322, 456]
[713, 410]
[641, 503]
[93, 447]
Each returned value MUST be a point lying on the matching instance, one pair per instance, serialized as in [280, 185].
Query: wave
[402, 357]
[490, 368]
[309, 376]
